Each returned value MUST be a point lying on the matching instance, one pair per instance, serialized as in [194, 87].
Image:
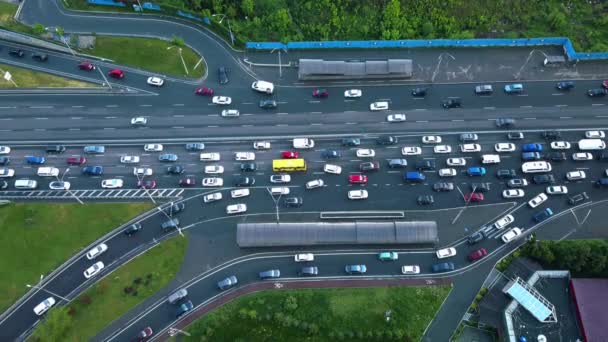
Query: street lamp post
[104, 77]
[228, 22]
[45, 290]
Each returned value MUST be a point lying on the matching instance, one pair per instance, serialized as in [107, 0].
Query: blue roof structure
[531, 300]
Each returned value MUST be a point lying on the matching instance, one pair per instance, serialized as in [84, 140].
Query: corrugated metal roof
[313, 68]
[592, 300]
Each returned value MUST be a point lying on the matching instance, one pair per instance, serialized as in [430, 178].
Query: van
[263, 87]
[490, 159]
[414, 177]
[554, 61]
[303, 143]
[591, 144]
[536, 167]
[48, 172]
[26, 184]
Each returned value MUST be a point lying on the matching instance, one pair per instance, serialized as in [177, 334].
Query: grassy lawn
[149, 54]
[25, 78]
[323, 315]
[7, 13]
[109, 299]
[38, 237]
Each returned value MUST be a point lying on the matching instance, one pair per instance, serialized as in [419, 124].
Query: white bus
[591, 144]
[536, 167]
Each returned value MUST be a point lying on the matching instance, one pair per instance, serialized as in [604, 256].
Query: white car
[395, 118]
[214, 169]
[5, 150]
[333, 169]
[442, 149]
[44, 306]
[112, 183]
[156, 81]
[5, 172]
[560, 145]
[411, 151]
[365, 153]
[456, 162]
[279, 191]
[513, 193]
[129, 159]
[59, 185]
[239, 193]
[357, 194]
[211, 156]
[556, 190]
[213, 181]
[230, 113]
[504, 147]
[153, 147]
[244, 156]
[139, 121]
[280, 178]
[216, 196]
[93, 270]
[97, 251]
[376, 106]
[431, 139]
[578, 156]
[575, 175]
[410, 269]
[142, 171]
[261, 145]
[304, 257]
[503, 222]
[351, 93]
[595, 135]
[449, 172]
[538, 200]
[221, 100]
[313, 184]
[236, 208]
[48, 172]
[511, 235]
[446, 252]
[470, 148]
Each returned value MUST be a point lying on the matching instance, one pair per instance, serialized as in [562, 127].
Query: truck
[591, 144]
[303, 143]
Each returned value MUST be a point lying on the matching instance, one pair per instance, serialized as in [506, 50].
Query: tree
[428, 29]
[247, 7]
[39, 29]
[55, 325]
[391, 21]
[178, 41]
[60, 31]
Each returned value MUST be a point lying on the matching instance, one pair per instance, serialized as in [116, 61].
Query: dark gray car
[309, 271]
[171, 224]
[270, 274]
[397, 163]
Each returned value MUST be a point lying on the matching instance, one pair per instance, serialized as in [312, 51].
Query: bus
[282, 165]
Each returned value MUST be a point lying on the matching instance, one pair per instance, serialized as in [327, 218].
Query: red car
[204, 91]
[146, 184]
[289, 155]
[605, 84]
[320, 93]
[478, 254]
[116, 73]
[357, 179]
[77, 160]
[88, 66]
[190, 181]
[473, 197]
[144, 335]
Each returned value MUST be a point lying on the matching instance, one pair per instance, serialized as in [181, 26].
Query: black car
[578, 198]
[195, 147]
[331, 154]
[175, 170]
[468, 137]
[425, 165]
[506, 174]
[308, 271]
[293, 202]
[451, 103]
[249, 166]
[268, 104]
[171, 224]
[425, 199]
[41, 57]
[3, 185]
[475, 238]
[551, 135]
[597, 92]
[443, 186]
[397, 163]
[564, 85]
[244, 181]
[387, 140]
[419, 92]
[505, 123]
[222, 75]
[351, 141]
[443, 267]
[132, 229]
[55, 149]
[369, 166]
[480, 187]
[5, 160]
[175, 208]
[515, 135]
[543, 179]
[16, 52]
[556, 156]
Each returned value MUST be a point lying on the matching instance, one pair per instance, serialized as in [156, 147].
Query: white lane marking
[77, 106]
[316, 124]
[40, 107]
[421, 121]
[282, 113]
[597, 104]
[111, 106]
[74, 129]
[565, 117]
[247, 103]
[177, 127]
[110, 117]
[457, 120]
[8, 107]
[529, 118]
[41, 118]
[76, 117]
[6, 119]
[351, 123]
[145, 105]
[109, 128]
[489, 107]
[178, 104]
[559, 106]
[557, 94]
[178, 116]
[315, 112]
[525, 106]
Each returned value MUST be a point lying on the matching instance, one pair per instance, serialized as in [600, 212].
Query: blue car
[168, 157]
[355, 269]
[94, 149]
[476, 171]
[92, 170]
[527, 156]
[543, 215]
[565, 85]
[532, 148]
[514, 88]
[331, 154]
[35, 160]
[443, 267]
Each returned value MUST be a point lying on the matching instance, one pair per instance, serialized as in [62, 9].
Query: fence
[436, 43]
[107, 3]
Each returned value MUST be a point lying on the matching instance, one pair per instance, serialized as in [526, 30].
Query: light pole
[104, 77]
[227, 21]
[45, 290]
[68, 189]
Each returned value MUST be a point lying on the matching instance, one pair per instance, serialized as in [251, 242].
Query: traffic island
[26, 78]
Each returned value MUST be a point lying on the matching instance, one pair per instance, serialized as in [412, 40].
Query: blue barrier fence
[150, 6]
[436, 43]
[106, 3]
[188, 15]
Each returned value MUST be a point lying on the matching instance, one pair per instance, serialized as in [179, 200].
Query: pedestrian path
[93, 194]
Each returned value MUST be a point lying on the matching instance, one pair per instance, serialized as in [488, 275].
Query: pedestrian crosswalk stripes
[93, 194]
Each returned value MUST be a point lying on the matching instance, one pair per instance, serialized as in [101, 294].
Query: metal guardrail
[379, 214]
